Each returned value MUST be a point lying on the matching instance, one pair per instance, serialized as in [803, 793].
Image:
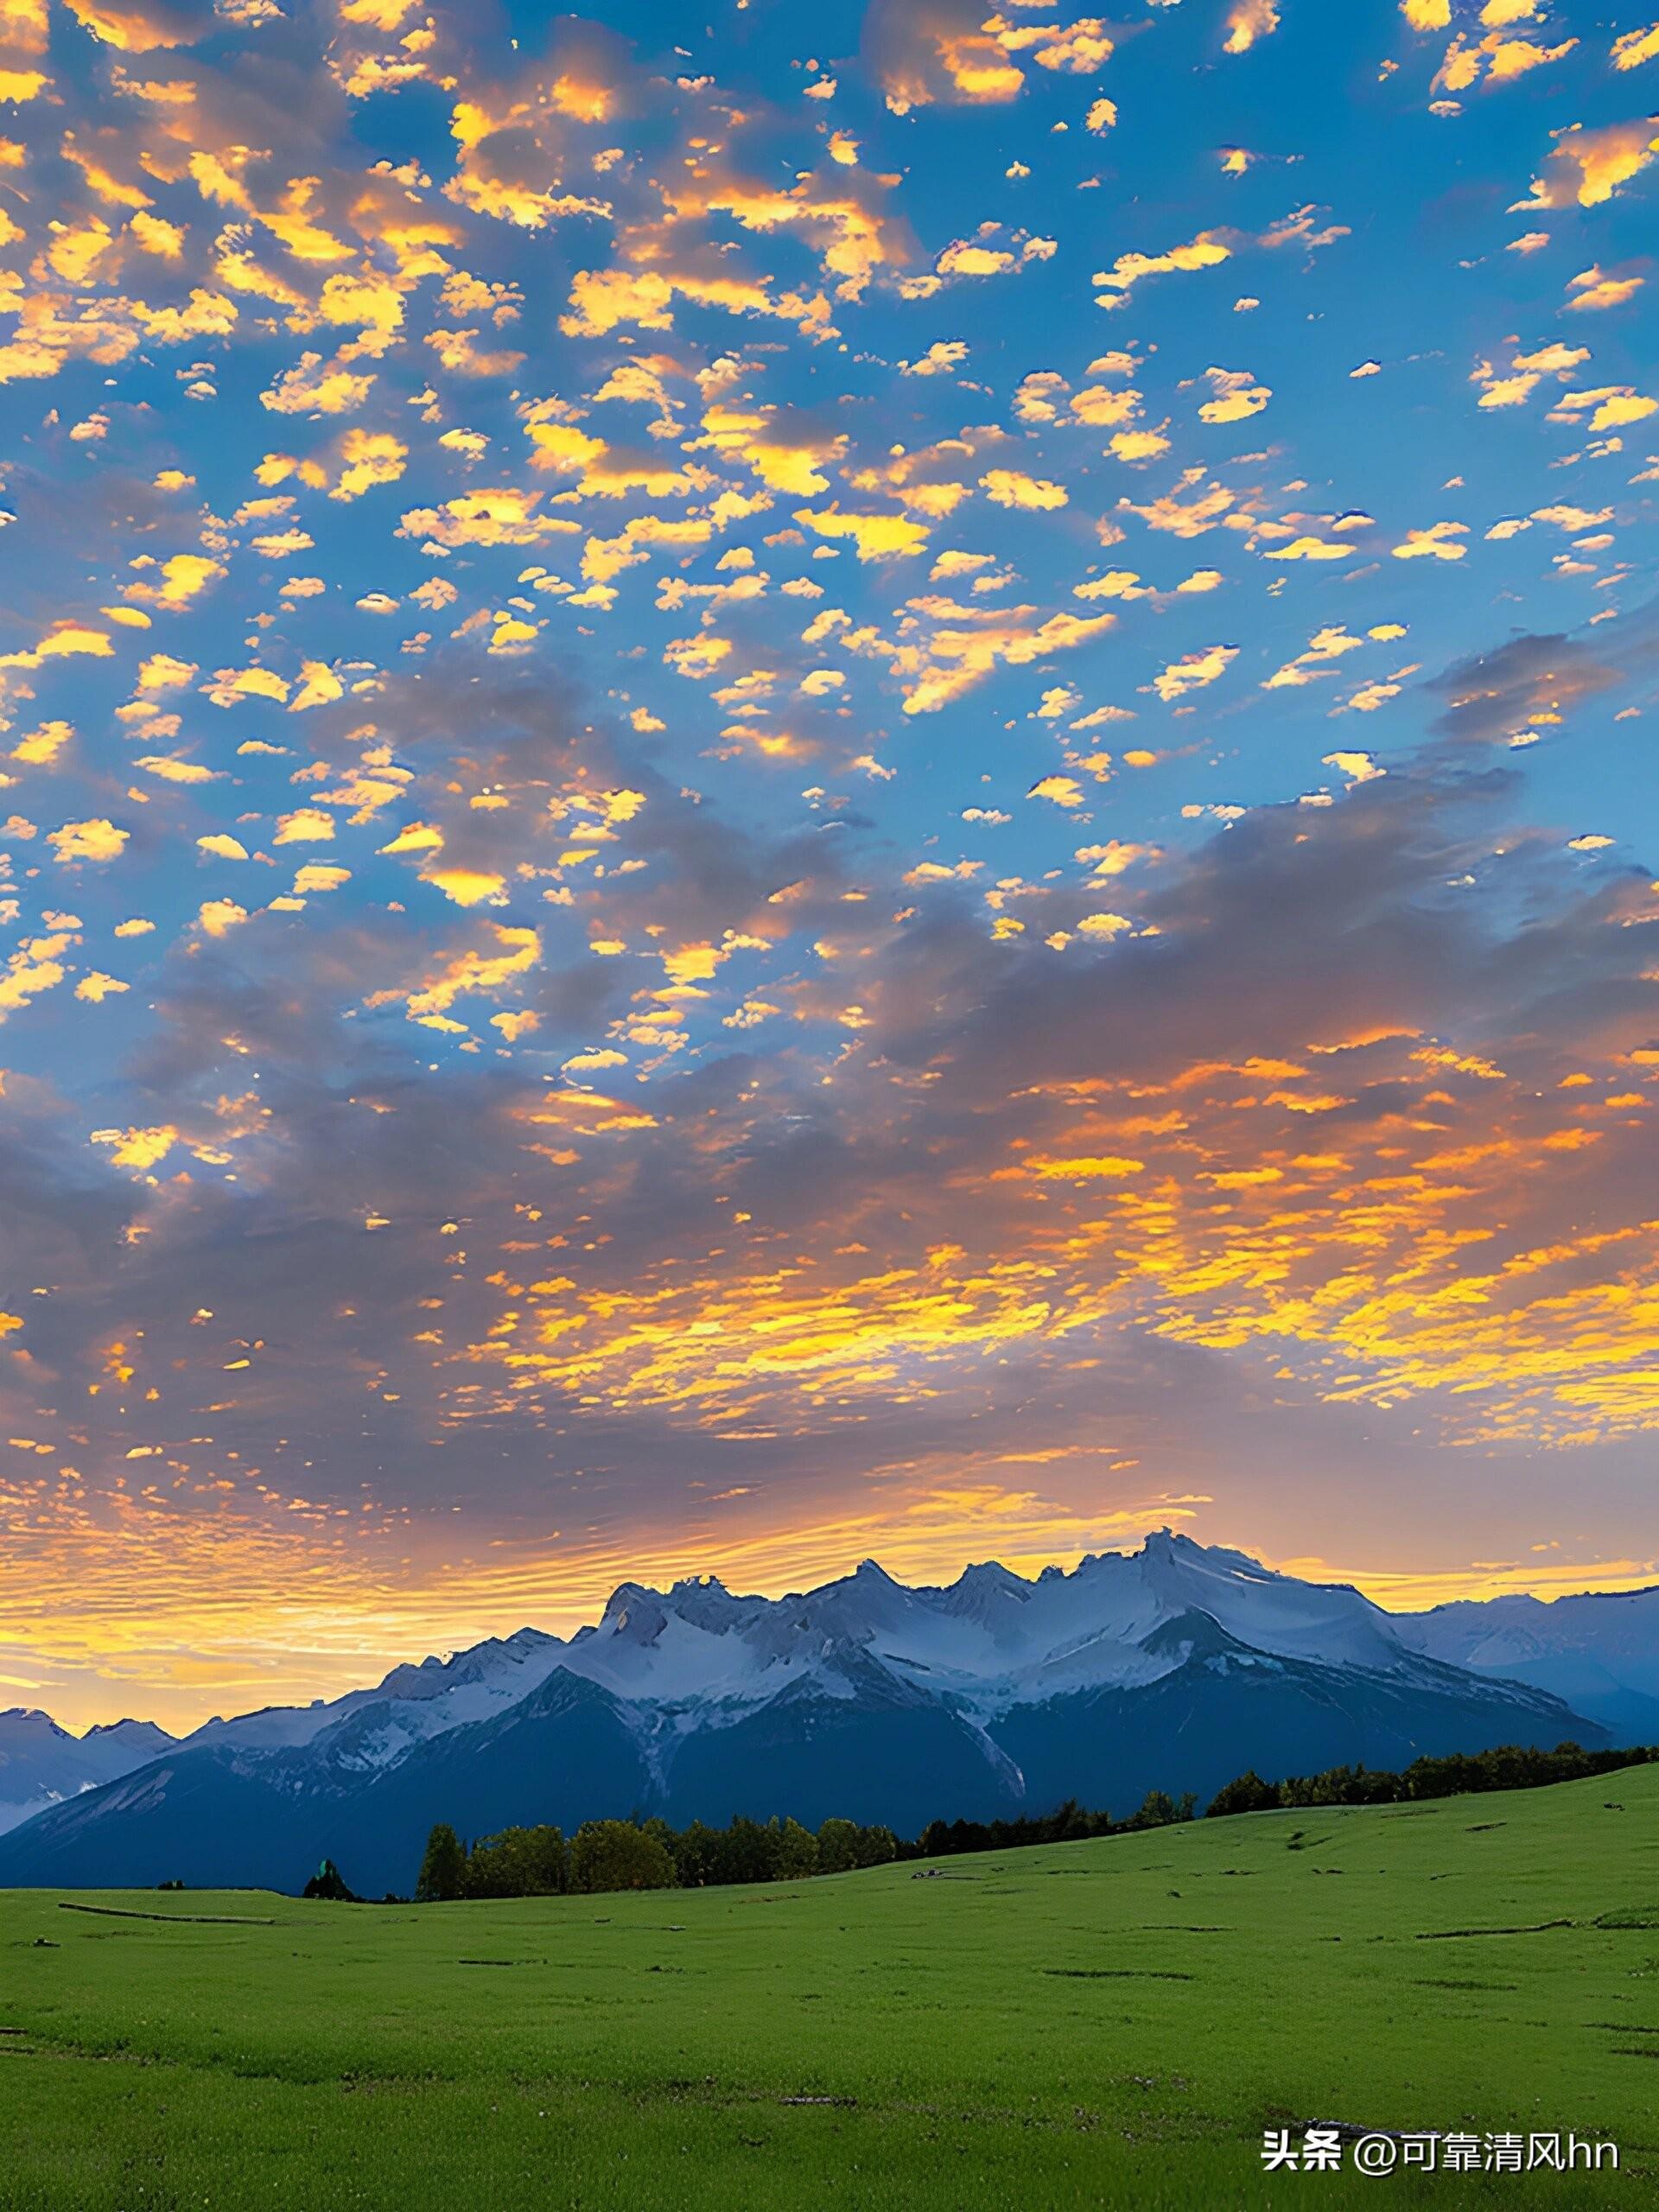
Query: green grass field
[1098, 2024]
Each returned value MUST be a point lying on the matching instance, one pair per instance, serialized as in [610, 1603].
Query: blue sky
[768, 800]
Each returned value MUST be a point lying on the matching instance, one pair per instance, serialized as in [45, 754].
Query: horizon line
[1615, 1584]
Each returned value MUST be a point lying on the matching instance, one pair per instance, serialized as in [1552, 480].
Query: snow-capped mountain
[41, 1763]
[1173, 1667]
[988, 1640]
[1600, 1650]
[375, 1727]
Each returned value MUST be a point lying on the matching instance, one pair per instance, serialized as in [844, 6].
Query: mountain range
[1173, 1667]
[41, 1763]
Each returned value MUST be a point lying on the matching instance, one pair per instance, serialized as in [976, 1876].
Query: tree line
[649, 1855]
[1069, 1823]
[1510, 1766]
[634, 1854]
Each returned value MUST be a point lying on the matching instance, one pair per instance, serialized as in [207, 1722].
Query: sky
[782, 783]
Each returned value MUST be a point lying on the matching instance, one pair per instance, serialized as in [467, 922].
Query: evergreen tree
[329, 1882]
[443, 1870]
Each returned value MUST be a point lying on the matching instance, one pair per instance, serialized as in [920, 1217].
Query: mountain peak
[1174, 1666]
[627, 1593]
[987, 1593]
[635, 1614]
[699, 1584]
[146, 1732]
[1167, 1543]
[31, 1718]
[990, 1573]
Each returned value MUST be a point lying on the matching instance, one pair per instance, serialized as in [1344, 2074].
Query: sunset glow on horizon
[235, 1650]
[877, 786]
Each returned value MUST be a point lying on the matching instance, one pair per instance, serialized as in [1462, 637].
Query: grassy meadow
[1103, 2024]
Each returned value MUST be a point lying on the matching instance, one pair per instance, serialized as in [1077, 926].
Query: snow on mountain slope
[697, 1656]
[142, 1739]
[1618, 1629]
[1600, 1650]
[990, 1639]
[840, 1730]
[373, 1726]
[41, 1763]
[988, 1636]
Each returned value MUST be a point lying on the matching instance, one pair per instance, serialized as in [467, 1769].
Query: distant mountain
[41, 1763]
[1172, 1667]
[1598, 1651]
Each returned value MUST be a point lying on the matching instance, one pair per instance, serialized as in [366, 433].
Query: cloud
[1589, 166]
[1632, 48]
[94, 840]
[597, 821]
[1237, 396]
[1206, 251]
[1529, 681]
[1437, 541]
[928, 51]
[1009, 487]
[1592, 292]
[313, 387]
[876, 537]
[1192, 672]
[955, 656]
[1248, 21]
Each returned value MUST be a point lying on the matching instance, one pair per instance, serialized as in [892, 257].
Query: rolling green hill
[1100, 2024]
